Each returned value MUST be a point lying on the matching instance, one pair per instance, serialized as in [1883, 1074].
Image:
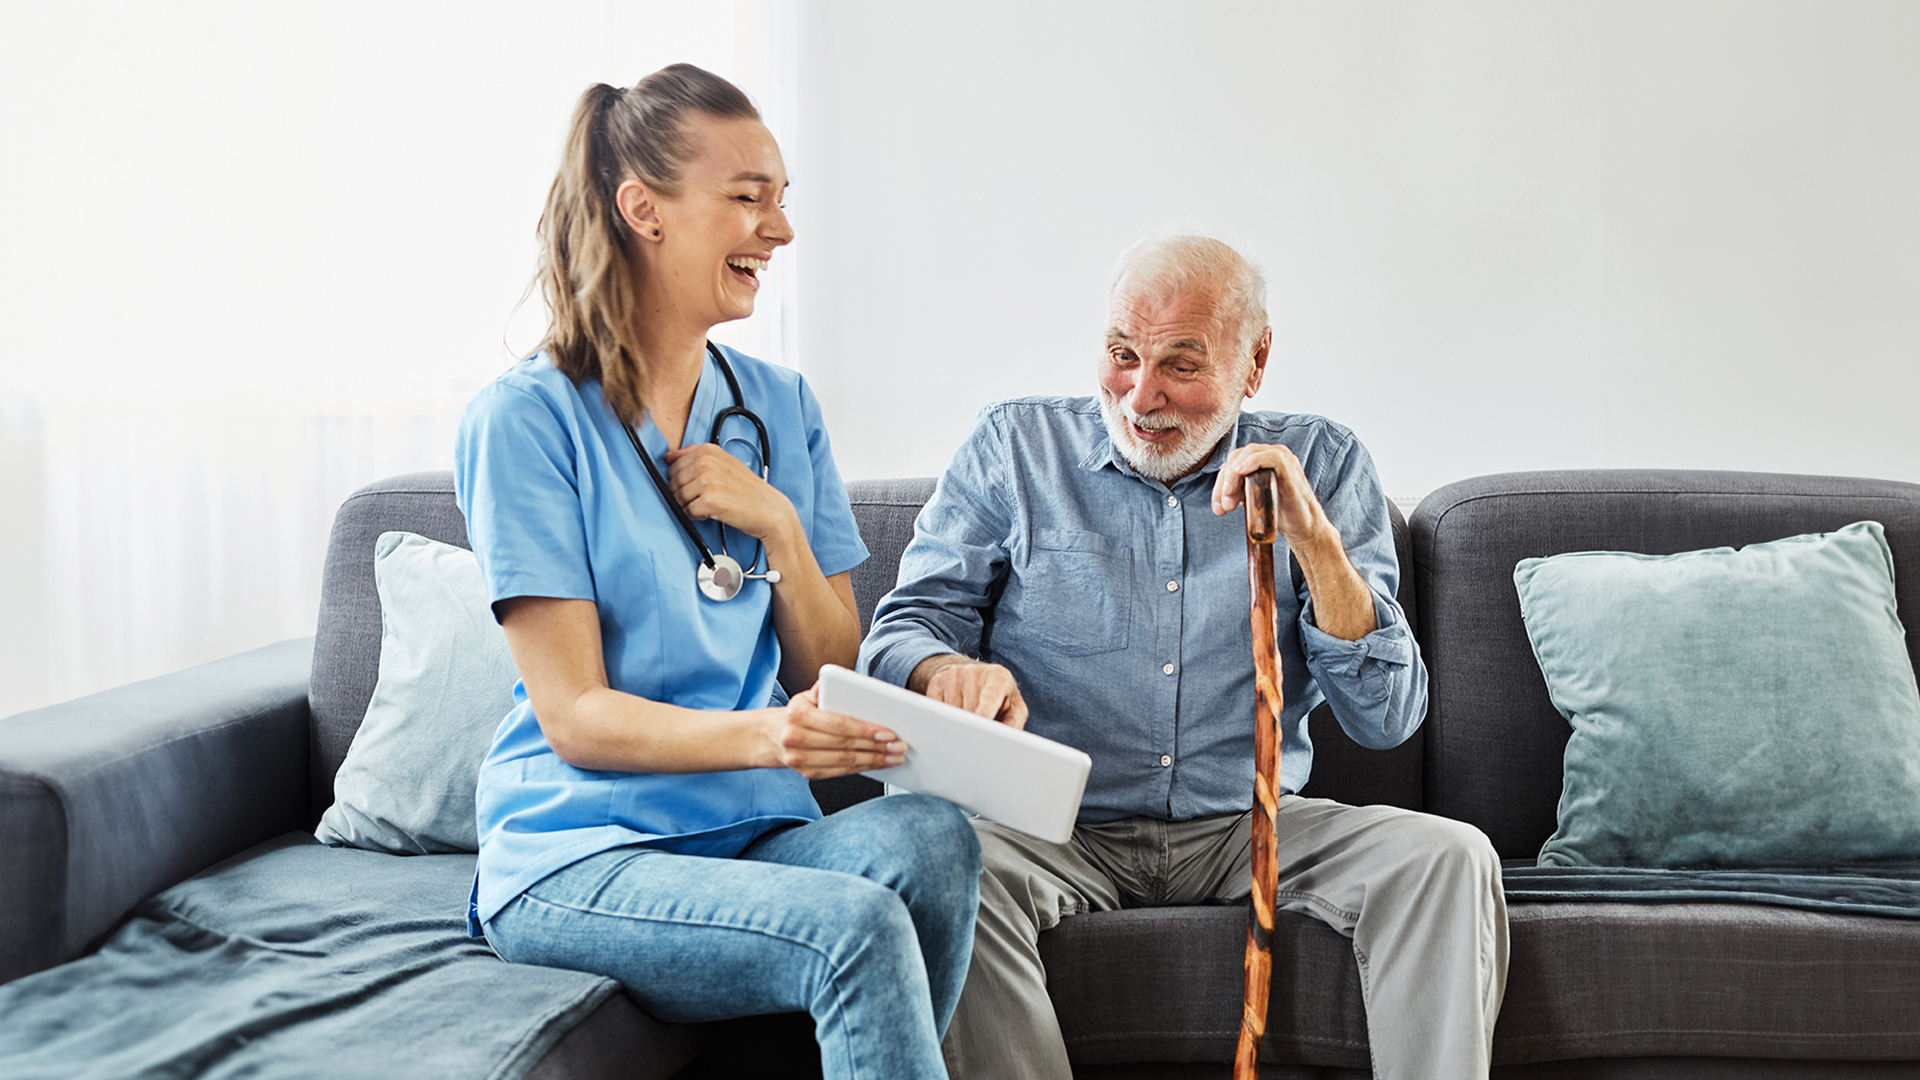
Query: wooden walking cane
[1261, 496]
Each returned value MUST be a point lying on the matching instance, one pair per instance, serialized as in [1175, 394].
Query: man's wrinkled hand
[982, 689]
[1298, 514]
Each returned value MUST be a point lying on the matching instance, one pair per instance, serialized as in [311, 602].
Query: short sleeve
[834, 534]
[516, 477]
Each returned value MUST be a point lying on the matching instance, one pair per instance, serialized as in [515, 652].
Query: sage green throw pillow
[446, 681]
[1730, 708]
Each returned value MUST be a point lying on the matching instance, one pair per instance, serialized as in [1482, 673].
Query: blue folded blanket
[1886, 888]
[296, 960]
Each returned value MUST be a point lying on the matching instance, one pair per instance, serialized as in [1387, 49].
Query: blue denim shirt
[1120, 605]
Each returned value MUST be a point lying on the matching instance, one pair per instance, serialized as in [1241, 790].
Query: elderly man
[1077, 559]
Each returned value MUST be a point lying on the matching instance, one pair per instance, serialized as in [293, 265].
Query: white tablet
[1025, 781]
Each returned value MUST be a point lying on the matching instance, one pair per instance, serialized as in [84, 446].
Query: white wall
[253, 256]
[1500, 234]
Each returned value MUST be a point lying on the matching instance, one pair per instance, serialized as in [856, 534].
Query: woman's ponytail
[588, 269]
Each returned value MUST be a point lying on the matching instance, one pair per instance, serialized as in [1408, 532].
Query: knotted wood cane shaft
[1261, 497]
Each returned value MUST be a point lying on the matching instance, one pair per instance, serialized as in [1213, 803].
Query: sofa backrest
[346, 646]
[1493, 738]
[346, 656]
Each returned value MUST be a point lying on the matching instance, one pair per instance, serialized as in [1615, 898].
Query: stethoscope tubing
[720, 577]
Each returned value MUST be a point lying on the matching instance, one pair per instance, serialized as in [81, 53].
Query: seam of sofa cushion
[876, 500]
[1531, 1049]
[384, 492]
[1745, 1033]
[1451, 507]
[1139, 1033]
[515, 1061]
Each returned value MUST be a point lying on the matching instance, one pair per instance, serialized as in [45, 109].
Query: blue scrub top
[557, 504]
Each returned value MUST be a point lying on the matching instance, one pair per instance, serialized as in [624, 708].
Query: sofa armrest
[107, 799]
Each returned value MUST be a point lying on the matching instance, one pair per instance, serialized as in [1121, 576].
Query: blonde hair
[588, 264]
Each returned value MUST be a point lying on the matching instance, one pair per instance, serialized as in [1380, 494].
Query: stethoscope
[720, 576]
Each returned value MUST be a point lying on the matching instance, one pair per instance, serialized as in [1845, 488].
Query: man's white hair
[1166, 264]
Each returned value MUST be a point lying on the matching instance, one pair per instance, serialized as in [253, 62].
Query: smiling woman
[642, 803]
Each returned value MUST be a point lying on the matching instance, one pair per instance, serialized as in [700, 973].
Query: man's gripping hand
[1341, 603]
[984, 689]
[1298, 515]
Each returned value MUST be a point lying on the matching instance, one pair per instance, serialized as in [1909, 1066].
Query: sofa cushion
[1494, 740]
[292, 954]
[446, 681]
[1164, 985]
[1734, 980]
[1730, 708]
[1610, 980]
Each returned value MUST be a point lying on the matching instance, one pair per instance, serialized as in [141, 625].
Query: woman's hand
[714, 485]
[818, 744]
[814, 618]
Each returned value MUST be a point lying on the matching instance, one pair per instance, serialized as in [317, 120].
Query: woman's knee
[874, 917]
[936, 836]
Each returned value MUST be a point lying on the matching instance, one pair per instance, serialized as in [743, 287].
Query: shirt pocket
[1077, 593]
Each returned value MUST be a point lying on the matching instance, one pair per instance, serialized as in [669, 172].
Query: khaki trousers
[1418, 895]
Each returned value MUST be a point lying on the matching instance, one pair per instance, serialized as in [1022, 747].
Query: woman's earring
[656, 233]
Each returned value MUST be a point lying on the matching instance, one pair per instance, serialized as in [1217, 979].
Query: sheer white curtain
[253, 256]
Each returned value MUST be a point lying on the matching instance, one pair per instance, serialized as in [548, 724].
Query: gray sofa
[109, 799]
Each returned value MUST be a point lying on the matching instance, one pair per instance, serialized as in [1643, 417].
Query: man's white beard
[1149, 460]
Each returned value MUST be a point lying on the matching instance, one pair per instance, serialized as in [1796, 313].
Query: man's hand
[1298, 514]
[984, 689]
[1342, 604]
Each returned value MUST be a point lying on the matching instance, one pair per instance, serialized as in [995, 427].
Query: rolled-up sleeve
[1377, 685]
[952, 568]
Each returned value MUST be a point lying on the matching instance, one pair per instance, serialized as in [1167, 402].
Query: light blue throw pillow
[446, 681]
[1730, 708]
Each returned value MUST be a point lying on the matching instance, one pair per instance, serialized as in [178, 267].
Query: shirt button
[1166, 669]
[1173, 500]
[1173, 586]
[1166, 760]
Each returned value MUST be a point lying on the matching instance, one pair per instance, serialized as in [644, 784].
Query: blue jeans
[863, 919]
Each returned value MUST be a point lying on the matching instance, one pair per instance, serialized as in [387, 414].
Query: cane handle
[1262, 497]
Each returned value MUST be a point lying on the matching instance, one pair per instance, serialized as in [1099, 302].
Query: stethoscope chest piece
[723, 579]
